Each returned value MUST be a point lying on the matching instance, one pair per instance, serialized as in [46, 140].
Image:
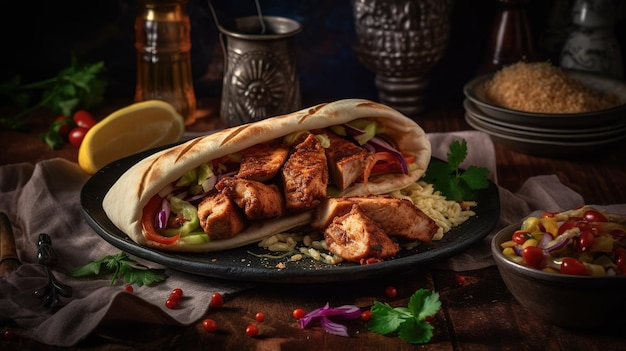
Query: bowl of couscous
[539, 94]
[556, 281]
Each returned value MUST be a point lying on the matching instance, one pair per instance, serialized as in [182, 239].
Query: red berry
[129, 288]
[459, 280]
[171, 302]
[178, 292]
[259, 317]
[298, 313]
[366, 315]
[209, 325]
[252, 330]
[217, 301]
[391, 292]
[8, 334]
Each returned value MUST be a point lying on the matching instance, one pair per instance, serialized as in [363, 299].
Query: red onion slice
[322, 313]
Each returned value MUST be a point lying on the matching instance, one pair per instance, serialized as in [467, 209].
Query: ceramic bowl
[543, 146]
[474, 91]
[571, 302]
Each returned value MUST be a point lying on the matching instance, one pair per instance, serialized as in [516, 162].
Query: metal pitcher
[260, 75]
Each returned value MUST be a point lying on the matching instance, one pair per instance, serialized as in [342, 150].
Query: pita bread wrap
[126, 199]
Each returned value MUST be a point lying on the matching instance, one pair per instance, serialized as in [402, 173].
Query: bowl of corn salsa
[568, 268]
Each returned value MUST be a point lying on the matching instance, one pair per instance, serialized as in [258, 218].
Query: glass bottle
[511, 37]
[163, 44]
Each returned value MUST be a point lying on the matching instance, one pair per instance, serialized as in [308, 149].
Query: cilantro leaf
[415, 332]
[457, 153]
[387, 319]
[451, 181]
[409, 322]
[120, 267]
[424, 304]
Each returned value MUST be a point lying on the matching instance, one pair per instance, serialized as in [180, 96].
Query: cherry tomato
[533, 256]
[520, 236]
[366, 315]
[77, 135]
[585, 240]
[259, 317]
[594, 216]
[620, 252]
[252, 330]
[84, 119]
[129, 288]
[569, 224]
[391, 292]
[209, 325]
[63, 125]
[217, 301]
[573, 266]
[298, 313]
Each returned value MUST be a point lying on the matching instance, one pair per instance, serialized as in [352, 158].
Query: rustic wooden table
[479, 315]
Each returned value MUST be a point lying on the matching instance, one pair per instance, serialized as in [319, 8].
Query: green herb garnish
[409, 322]
[121, 267]
[77, 86]
[453, 183]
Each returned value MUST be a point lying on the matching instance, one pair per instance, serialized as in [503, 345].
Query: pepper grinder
[592, 45]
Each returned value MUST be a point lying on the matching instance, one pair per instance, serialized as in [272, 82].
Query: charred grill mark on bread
[183, 151]
[147, 177]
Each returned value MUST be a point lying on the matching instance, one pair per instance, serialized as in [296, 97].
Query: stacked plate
[549, 134]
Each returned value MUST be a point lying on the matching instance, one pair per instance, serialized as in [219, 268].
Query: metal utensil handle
[8, 252]
[258, 10]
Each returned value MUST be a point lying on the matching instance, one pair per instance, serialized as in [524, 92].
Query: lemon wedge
[129, 130]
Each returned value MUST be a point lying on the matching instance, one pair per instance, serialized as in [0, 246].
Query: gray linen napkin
[44, 198]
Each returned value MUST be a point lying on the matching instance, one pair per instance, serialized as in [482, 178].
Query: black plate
[239, 264]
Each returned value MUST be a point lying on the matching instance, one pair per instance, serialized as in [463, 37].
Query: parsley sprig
[408, 322]
[77, 86]
[121, 267]
[454, 183]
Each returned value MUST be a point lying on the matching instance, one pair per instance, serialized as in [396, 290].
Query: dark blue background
[38, 37]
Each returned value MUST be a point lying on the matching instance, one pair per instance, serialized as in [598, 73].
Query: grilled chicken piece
[220, 217]
[258, 200]
[399, 218]
[346, 161]
[305, 175]
[262, 162]
[357, 238]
